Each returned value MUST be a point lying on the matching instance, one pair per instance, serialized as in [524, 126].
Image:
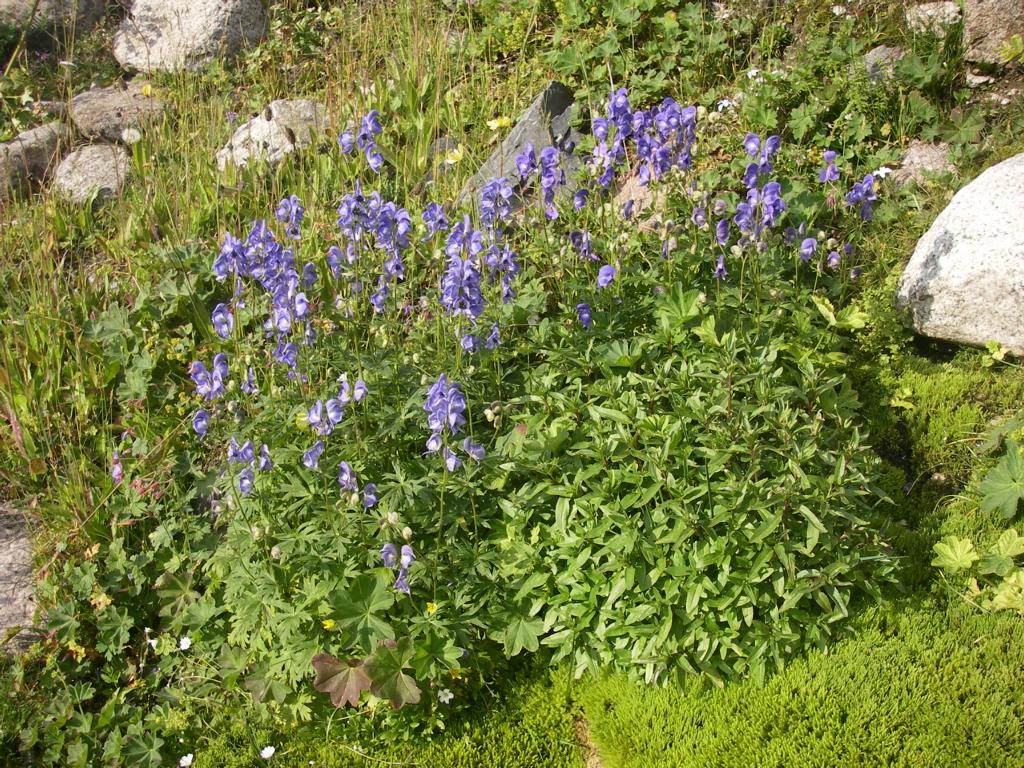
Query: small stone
[976, 81]
[26, 160]
[51, 20]
[171, 35]
[881, 61]
[17, 581]
[933, 18]
[105, 113]
[988, 24]
[546, 122]
[922, 160]
[98, 168]
[284, 126]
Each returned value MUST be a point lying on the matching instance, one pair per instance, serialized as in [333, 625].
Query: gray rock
[546, 122]
[988, 24]
[965, 281]
[106, 113]
[921, 160]
[98, 168]
[173, 35]
[933, 18]
[53, 19]
[26, 160]
[17, 580]
[881, 61]
[280, 129]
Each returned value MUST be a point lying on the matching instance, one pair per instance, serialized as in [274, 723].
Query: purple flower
[315, 419]
[829, 172]
[359, 391]
[700, 216]
[116, 470]
[469, 343]
[335, 411]
[475, 451]
[451, 461]
[308, 274]
[402, 582]
[627, 210]
[720, 273]
[580, 242]
[493, 339]
[223, 320]
[389, 554]
[526, 162]
[374, 158]
[833, 260]
[605, 276]
[863, 194]
[265, 464]
[201, 422]
[241, 455]
[495, 201]
[245, 480]
[722, 231]
[460, 287]
[579, 199]
[210, 383]
[301, 305]
[583, 313]
[407, 556]
[752, 144]
[435, 219]
[290, 213]
[600, 128]
[369, 495]
[445, 406]
[346, 478]
[347, 141]
[807, 249]
[311, 458]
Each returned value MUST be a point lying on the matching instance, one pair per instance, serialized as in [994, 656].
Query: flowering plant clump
[444, 438]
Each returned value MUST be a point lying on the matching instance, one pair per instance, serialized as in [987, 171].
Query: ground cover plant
[337, 457]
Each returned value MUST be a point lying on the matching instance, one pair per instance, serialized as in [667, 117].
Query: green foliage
[1003, 487]
[917, 686]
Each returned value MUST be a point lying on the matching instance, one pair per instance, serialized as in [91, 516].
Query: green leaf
[522, 633]
[389, 681]
[143, 750]
[343, 681]
[1009, 544]
[1003, 487]
[357, 608]
[953, 554]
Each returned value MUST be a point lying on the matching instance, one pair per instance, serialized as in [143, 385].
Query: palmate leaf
[953, 554]
[357, 610]
[343, 681]
[386, 669]
[1003, 487]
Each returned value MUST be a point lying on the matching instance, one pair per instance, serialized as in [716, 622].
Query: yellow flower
[499, 122]
[100, 600]
[147, 90]
[455, 155]
[78, 651]
[431, 609]
[328, 623]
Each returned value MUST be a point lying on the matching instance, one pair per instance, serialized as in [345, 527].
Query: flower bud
[407, 533]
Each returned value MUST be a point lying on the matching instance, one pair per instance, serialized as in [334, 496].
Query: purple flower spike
[720, 273]
[605, 276]
[369, 495]
[116, 470]
[722, 231]
[223, 320]
[246, 478]
[752, 144]
[311, 458]
[475, 451]
[359, 391]
[583, 313]
[346, 478]
[201, 422]
[807, 249]
[265, 464]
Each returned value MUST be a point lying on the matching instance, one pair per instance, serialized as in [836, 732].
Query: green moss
[528, 724]
[915, 687]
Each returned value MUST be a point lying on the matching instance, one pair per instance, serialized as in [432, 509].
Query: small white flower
[725, 104]
[185, 643]
[838, 10]
[152, 643]
[883, 172]
[753, 73]
[445, 696]
[267, 752]
[185, 761]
